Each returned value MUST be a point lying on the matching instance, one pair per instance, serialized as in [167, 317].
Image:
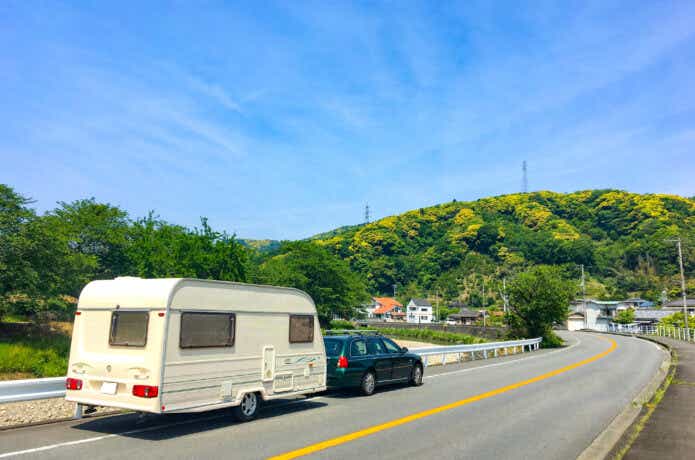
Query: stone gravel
[20, 413]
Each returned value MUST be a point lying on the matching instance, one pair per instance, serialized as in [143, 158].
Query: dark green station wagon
[357, 360]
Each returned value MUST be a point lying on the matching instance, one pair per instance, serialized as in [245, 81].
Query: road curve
[547, 404]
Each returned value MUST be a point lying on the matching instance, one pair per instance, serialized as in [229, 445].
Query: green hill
[454, 248]
[260, 245]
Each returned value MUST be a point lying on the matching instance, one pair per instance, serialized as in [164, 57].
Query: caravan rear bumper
[152, 408]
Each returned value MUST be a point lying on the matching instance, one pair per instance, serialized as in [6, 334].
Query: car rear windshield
[333, 347]
[129, 328]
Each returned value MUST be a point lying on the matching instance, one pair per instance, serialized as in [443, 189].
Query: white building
[419, 311]
[598, 313]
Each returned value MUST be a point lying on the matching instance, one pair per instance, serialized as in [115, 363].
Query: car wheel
[248, 408]
[416, 375]
[368, 384]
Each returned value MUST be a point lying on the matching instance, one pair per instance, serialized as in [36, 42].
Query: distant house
[387, 309]
[597, 313]
[650, 315]
[677, 305]
[464, 316]
[636, 302]
[419, 311]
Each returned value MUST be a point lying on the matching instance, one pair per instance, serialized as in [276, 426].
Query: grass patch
[32, 351]
[431, 336]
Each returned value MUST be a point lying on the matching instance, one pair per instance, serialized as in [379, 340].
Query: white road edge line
[206, 419]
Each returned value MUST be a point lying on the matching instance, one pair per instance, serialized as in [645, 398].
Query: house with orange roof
[386, 308]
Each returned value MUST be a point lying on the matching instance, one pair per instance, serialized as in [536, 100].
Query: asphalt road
[545, 404]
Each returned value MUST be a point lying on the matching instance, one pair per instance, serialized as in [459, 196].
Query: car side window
[375, 347]
[391, 346]
[358, 348]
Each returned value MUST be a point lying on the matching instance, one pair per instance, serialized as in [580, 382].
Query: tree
[95, 230]
[539, 298]
[35, 261]
[158, 249]
[325, 277]
[626, 316]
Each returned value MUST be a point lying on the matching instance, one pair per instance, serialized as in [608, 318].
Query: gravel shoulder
[42, 410]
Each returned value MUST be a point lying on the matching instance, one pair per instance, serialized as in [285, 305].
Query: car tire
[368, 383]
[247, 409]
[416, 375]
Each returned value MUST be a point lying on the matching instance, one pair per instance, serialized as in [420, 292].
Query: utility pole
[505, 299]
[683, 292]
[366, 213]
[394, 290]
[583, 291]
[685, 298]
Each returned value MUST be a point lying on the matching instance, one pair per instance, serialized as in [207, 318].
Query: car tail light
[145, 391]
[342, 362]
[73, 384]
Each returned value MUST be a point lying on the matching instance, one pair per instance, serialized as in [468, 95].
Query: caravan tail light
[73, 384]
[145, 391]
[342, 362]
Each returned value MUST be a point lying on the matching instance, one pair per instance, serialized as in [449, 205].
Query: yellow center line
[427, 413]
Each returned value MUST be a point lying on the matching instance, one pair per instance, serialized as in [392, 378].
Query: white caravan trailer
[187, 345]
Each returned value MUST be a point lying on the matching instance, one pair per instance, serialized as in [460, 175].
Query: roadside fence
[443, 355]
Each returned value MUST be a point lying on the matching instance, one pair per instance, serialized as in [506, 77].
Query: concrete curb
[606, 442]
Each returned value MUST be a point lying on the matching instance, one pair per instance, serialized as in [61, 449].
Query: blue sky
[282, 121]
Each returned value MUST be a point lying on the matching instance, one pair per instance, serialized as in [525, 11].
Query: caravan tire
[247, 410]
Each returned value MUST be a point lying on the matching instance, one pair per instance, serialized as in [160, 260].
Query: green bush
[432, 336]
[34, 352]
[341, 324]
[551, 340]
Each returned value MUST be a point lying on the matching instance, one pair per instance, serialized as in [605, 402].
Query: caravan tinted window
[202, 330]
[301, 328]
[129, 328]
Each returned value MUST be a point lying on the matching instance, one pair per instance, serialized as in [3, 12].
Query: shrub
[430, 335]
[341, 324]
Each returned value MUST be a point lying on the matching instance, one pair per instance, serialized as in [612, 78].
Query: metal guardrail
[678, 333]
[483, 349]
[31, 389]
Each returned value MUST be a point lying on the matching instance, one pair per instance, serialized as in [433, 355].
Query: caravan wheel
[248, 409]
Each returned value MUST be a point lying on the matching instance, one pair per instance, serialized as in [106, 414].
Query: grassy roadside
[31, 351]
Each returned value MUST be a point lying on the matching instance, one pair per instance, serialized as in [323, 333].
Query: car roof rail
[352, 332]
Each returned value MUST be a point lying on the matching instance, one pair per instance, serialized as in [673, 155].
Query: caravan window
[203, 330]
[301, 328]
[129, 328]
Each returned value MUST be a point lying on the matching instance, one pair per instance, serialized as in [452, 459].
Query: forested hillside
[454, 251]
[451, 249]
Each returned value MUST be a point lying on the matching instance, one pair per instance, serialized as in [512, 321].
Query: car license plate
[109, 388]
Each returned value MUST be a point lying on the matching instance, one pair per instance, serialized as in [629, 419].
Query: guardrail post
[484, 354]
[495, 351]
[522, 347]
[443, 359]
[425, 363]
[78, 411]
